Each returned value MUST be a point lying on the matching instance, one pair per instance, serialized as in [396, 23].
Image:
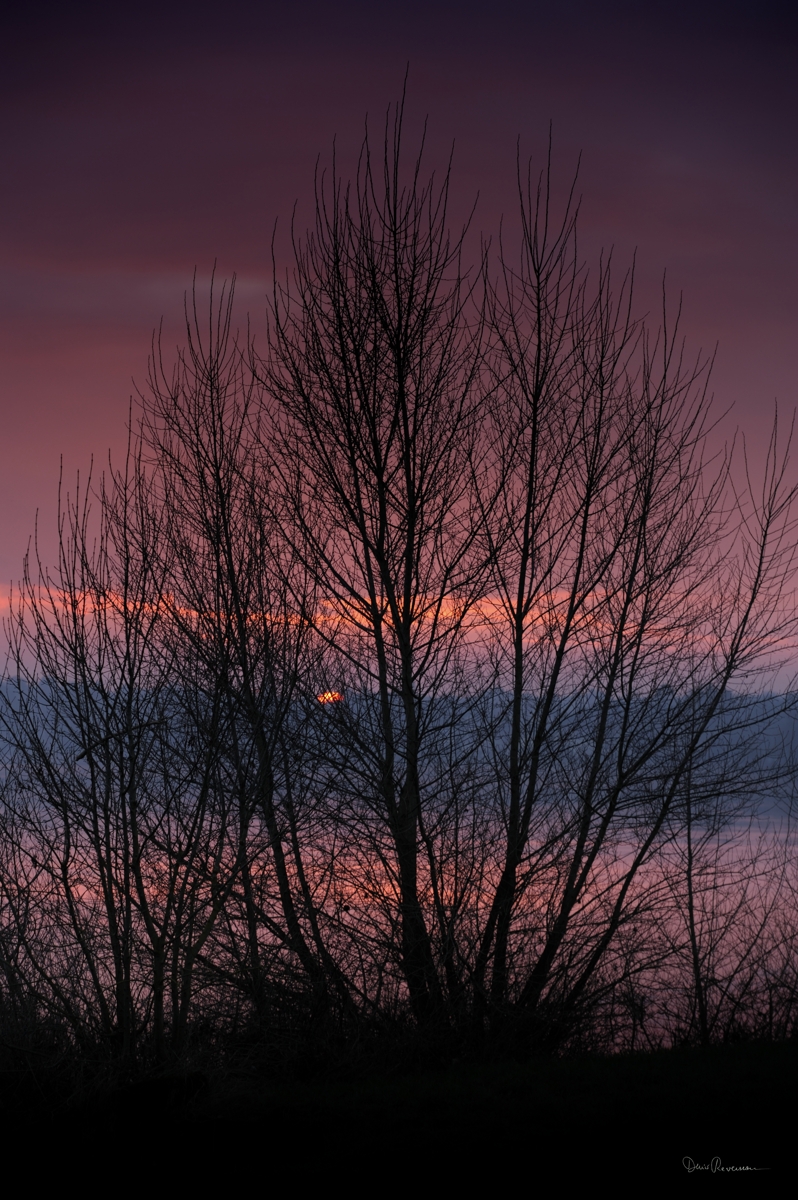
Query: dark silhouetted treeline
[416, 685]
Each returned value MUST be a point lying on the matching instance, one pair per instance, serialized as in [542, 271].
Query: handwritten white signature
[715, 1165]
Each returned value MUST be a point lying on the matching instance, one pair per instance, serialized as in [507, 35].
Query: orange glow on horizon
[329, 697]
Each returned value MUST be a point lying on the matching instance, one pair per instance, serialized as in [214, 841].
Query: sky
[140, 146]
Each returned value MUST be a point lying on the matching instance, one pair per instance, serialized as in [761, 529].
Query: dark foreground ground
[471, 1126]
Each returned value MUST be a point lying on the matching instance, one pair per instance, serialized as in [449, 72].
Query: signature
[715, 1165]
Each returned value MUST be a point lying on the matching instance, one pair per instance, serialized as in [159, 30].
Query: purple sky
[136, 148]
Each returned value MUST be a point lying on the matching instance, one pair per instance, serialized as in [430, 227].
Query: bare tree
[635, 588]
[374, 362]
[227, 571]
[112, 804]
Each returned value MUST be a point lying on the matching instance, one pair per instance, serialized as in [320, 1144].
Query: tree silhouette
[417, 670]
